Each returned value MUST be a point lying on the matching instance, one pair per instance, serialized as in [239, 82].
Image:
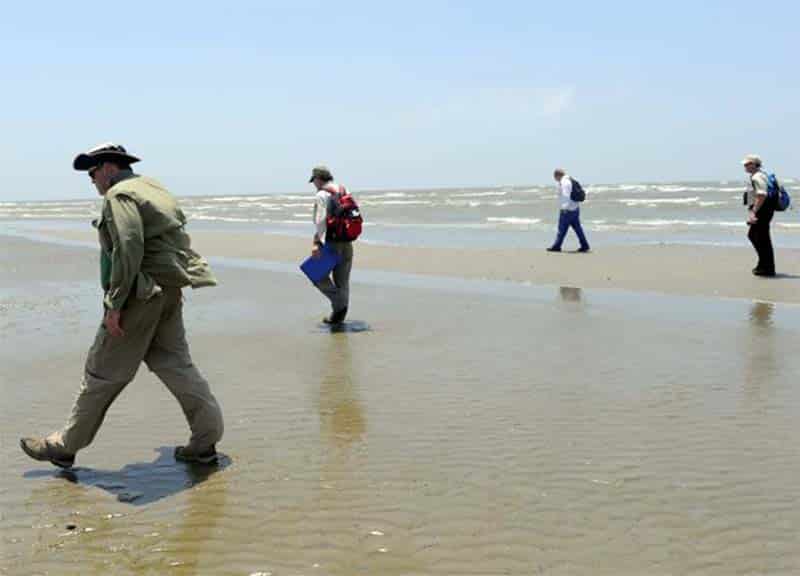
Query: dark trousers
[758, 234]
[567, 219]
[337, 289]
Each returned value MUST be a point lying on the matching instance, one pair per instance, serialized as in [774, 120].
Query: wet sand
[667, 269]
[459, 428]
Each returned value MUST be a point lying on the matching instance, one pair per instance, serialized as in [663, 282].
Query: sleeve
[320, 216]
[760, 184]
[127, 236]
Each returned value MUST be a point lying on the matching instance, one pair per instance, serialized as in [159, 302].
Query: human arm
[127, 237]
[320, 219]
[760, 187]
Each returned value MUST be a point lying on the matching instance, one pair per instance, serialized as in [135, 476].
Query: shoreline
[710, 271]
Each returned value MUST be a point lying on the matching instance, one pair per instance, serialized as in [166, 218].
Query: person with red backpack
[337, 222]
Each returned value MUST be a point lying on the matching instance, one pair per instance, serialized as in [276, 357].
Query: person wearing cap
[147, 259]
[569, 213]
[759, 215]
[335, 286]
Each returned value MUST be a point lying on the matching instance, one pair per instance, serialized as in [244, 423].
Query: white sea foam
[223, 218]
[429, 225]
[514, 220]
[399, 203]
[478, 194]
[229, 199]
[663, 223]
[680, 188]
[40, 216]
[387, 195]
[657, 201]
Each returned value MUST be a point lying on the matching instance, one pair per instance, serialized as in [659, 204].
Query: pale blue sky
[244, 97]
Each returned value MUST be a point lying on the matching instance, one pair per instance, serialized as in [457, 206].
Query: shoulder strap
[331, 189]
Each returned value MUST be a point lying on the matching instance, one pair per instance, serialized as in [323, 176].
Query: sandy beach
[668, 269]
[631, 411]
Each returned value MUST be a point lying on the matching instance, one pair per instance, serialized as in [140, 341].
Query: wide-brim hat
[103, 153]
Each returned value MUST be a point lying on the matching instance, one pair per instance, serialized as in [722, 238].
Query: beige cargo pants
[154, 333]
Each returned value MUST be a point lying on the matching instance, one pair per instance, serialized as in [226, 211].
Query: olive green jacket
[143, 242]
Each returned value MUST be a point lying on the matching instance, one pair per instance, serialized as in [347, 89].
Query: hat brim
[85, 161]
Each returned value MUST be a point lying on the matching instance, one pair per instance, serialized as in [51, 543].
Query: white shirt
[564, 191]
[759, 186]
[320, 215]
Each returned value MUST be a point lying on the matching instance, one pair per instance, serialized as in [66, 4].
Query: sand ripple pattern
[461, 434]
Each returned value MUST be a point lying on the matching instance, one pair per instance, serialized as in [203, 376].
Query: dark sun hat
[322, 172]
[102, 153]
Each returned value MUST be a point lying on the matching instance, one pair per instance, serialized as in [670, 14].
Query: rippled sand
[465, 430]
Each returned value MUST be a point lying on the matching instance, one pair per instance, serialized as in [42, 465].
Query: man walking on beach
[760, 210]
[337, 288]
[569, 215]
[146, 258]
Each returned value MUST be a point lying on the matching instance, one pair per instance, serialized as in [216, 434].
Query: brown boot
[39, 449]
[186, 454]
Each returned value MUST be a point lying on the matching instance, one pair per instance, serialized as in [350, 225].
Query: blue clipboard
[318, 268]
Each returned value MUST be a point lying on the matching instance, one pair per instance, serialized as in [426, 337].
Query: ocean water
[494, 217]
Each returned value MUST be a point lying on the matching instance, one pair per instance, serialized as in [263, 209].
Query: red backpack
[344, 217]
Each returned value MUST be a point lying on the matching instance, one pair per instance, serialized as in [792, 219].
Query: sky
[245, 97]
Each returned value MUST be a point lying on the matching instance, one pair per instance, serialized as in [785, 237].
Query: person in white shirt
[760, 210]
[335, 286]
[569, 215]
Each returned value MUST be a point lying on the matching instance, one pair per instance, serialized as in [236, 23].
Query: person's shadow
[141, 483]
[350, 326]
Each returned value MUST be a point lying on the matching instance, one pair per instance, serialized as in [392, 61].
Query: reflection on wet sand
[343, 509]
[570, 293]
[341, 415]
[761, 364]
[761, 314]
[205, 505]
